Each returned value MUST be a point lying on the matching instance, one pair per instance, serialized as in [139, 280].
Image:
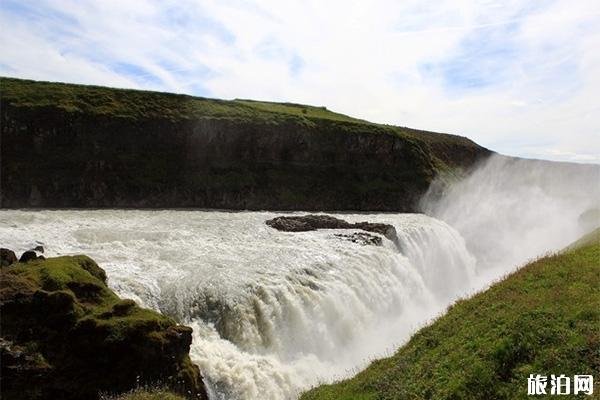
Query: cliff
[67, 145]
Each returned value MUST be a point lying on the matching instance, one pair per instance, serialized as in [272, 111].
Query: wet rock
[361, 238]
[305, 223]
[7, 257]
[28, 256]
[386, 230]
[313, 222]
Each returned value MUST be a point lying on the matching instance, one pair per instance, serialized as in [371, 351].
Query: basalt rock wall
[56, 156]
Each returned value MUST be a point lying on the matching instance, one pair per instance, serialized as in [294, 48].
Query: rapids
[273, 312]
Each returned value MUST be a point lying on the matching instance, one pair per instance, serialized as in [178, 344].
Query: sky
[520, 77]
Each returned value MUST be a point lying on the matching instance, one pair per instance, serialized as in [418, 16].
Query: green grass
[543, 319]
[299, 110]
[145, 394]
[128, 103]
[141, 104]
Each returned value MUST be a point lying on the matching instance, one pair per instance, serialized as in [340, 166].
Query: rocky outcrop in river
[313, 222]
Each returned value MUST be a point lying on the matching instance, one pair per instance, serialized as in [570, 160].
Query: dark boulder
[313, 222]
[69, 335]
[29, 255]
[33, 254]
[7, 257]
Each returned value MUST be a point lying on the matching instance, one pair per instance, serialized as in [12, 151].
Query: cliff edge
[66, 145]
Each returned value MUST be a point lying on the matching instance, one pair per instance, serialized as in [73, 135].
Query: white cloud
[519, 77]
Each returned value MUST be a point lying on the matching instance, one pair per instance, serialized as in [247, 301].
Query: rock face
[313, 222]
[66, 335]
[81, 146]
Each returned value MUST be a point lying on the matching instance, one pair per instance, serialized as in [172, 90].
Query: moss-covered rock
[77, 338]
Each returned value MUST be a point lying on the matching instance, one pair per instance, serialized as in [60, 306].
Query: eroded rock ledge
[66, 335]
[313, 222]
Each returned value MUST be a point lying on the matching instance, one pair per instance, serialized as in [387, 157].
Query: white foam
[273, 312]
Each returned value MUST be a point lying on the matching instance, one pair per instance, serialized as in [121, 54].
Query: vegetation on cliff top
[543, 319]
[141, 104]
[65, 334]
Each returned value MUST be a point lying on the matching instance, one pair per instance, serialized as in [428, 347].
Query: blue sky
[519, 77]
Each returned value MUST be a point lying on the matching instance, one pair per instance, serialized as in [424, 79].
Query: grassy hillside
[543, 319]
[141, 104]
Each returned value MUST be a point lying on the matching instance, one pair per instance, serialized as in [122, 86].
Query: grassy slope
[544, 318]
[139, 104]
[145, 394]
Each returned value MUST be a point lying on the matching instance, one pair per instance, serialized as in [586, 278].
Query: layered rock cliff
[68, 145]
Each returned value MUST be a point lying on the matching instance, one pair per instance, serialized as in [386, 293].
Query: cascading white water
[511, 210]
[273, 312]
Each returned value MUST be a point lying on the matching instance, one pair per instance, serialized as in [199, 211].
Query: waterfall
[277, 312]
[273, 312]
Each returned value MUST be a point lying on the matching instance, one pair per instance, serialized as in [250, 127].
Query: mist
[512, 210]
